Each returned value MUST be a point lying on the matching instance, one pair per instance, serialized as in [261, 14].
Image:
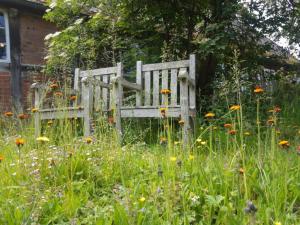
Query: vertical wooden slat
[97, 96]
[155, 88]
[86, 99]
[37, 120]
[118, 95]
[165, 74]
[139, 81]
[76, 86]
[105, 94]
[76, 79]
[173, 87]
[192, 74]
[110, 93]
[147, 76]
[184, 107]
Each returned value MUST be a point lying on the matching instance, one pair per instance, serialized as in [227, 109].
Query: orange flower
[111, 120]
[165, 91]
[270, 121]
[20, 142]
[258, 90]
[58, 94]
[209, 115]
[232, 132]
[8, 114]
[284, 144]
[241, 171]
[181, 122]
[163, 140]
[1, 158]
[235, 107]
[298, 150]
[73, 97]
[54, 86]
[23, 116]
[227, 125]
[277, 109]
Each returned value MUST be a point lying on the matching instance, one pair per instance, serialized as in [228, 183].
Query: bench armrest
[126, 84]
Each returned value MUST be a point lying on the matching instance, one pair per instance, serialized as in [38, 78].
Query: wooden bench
[178, 77]
[102, 90]
[93, 90]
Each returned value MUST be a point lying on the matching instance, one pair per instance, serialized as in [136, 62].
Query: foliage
[97, 33]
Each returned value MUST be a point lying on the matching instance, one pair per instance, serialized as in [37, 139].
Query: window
[4, 38]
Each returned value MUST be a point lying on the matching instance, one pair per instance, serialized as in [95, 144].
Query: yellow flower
[173, 158]
[284, 144]
[165, 91]
[142, 199]
[34, 110]
[181, 122]
[203, 142]
[176, 142]
[43, 139]
[88, 140]
[277, 223]
[191, 157]
[235, 107]
[247, 133]
[20, 142]
[198, 140]
[163, 111]
[209, 115]
[50, 122]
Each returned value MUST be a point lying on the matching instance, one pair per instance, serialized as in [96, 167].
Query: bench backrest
[99, 86]
[158, 76]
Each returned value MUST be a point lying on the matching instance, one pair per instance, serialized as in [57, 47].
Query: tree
[101, 32]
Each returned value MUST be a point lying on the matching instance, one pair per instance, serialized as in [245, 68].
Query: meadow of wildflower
[239, 168]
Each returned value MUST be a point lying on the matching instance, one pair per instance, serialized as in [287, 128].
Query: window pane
[3, 45]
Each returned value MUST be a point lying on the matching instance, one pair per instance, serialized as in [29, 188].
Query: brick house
[22, 49]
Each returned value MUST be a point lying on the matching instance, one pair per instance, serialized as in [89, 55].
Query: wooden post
[86, 100]
[118, 98]
[76, 86]
[183, 77]
[37, 119]
[139, 72]
[15, 52]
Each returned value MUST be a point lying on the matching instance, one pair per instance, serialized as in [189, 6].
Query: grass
[221, 178]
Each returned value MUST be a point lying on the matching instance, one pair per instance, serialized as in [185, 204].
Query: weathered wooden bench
[178, 77]
[93, 90]
[103, 90]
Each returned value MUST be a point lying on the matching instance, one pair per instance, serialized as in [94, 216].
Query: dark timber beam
[15, 52]
[37, 8]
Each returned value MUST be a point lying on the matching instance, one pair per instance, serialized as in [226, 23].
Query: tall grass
[223, 177]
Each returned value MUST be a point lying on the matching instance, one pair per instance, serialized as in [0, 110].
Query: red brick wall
[5, 93]
[33, 30]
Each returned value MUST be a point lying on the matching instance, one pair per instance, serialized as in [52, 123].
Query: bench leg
[37, 125]
[86, 126]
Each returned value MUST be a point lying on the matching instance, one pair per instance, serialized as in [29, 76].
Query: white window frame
[7, 60]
